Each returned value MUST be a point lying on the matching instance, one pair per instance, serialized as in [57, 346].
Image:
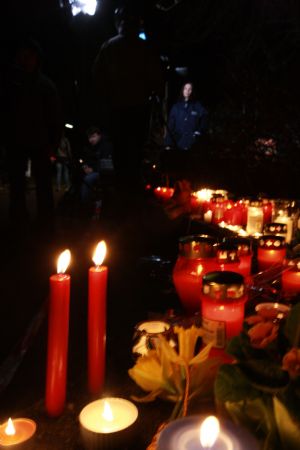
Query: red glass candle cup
[275, 228]
[163, 194]
[290, 278]
[233, 214]
[197, 256]
[271, 251]
[223, 300]
[218, 207]
[267, 206]
[244, 254]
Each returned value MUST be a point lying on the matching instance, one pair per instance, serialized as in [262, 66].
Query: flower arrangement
[261, 389]
[176, 373]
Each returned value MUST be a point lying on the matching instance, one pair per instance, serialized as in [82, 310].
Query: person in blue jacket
[187, 121]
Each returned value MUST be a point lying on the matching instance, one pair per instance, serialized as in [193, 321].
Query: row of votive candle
[215, 207]
[201, 254]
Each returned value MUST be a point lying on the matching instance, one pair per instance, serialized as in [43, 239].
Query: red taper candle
[97, 320]
[58, 333]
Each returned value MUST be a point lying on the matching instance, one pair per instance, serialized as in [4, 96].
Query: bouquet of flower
[261, 389]
[176, 372]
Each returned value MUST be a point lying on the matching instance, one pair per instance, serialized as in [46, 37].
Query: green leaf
[265, 374]
[289, 429]
[232, 385]
[292, 326]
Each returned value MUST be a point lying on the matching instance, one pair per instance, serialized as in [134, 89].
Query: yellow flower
[163, 371]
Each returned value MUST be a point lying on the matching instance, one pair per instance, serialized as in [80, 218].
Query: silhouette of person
[32, 130]
[126, 72]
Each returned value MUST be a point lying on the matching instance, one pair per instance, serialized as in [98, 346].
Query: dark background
[242, 55]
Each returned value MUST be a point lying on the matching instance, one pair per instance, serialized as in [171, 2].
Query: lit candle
[223, 301]
[196, 258]
[290, 279]
[244, 254]
[199, 433]
[97, 320]
[255, 218]
[17, 431]
[163, 193]
[146, 333]
[271, 251]
[58, 332]
[108, 423]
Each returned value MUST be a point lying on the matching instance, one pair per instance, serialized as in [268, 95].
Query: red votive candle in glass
[58, 333]
[271, 251]
[290, 278]
[197, 256]
[267, 206]
[163, 193]
[223, 300]
[218, 207]
[227, 257]
[97, 320]
[244, 253]
[233, 214]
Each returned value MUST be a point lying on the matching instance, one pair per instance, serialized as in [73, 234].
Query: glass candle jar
[145, 334]
[163, 193]
[244, 253]
[223, 300]
[227, 257]
[197, 256]
[255, 218]
[290, 278]
[271, 251]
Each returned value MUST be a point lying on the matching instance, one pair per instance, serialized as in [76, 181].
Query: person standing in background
[187, 120]
[126, 72]
[32, 128]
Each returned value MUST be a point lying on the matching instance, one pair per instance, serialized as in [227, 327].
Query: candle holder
[184, 434]
[275, 228]
[244, 253]
[145, 336]
[290, 278]
[197, 256]
[17, 433]
[116, 432]
[271, 251]
[255, 218]
[223, 303]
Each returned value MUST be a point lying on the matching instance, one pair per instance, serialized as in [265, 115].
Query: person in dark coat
[187, 121]
[32, 128]
[126, 72]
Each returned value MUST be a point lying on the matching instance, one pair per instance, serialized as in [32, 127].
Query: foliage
[261, 389]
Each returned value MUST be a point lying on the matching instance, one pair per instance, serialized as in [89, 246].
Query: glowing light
[107, 412]
[85, 6]
[68, 125]
[10, 429]
[63, 261]
[99, 253]
[209, 431]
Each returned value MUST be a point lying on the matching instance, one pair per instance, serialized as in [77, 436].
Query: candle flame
[99, 253]
[107, 412]
[63, 261]
[10, 429]
[209, 431]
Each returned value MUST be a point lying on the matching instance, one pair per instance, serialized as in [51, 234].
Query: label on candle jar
[214, 331]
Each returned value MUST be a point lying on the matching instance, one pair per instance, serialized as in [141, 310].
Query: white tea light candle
[198, 433]
[107, 423]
